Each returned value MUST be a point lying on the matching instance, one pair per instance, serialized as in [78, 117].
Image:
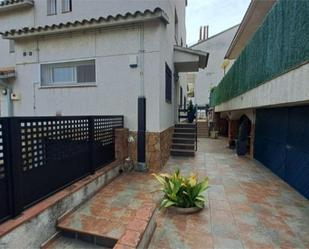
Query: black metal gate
[5, 188]
[104, 139]
[282, 144]
[41, 155]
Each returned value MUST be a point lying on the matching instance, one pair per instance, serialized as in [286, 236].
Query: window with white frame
[51, 7]
[66, 6]
[77, 72]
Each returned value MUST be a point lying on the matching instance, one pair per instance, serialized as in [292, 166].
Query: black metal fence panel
[104, 139]
[5, 202]
[54, 153]
[41, 155]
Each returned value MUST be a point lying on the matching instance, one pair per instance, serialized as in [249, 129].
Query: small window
[51, 7]
[176, 27]
[168, 84]
[12, 46]
[68, 73]
[63, 74]
[180, 96]
[66, 6]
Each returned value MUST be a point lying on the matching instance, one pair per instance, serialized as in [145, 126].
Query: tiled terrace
[248, 206]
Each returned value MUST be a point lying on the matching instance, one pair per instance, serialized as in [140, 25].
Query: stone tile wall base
[157, 148]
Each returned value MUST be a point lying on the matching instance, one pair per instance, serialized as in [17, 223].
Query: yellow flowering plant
[180, 191]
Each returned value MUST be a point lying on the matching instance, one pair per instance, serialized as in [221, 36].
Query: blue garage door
[282, 144]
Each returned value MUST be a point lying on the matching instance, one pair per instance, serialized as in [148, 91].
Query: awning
[189, 60]
[7, 72]
[93, 23]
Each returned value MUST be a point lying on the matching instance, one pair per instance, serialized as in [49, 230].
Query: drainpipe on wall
[6, 97]
[141, 109]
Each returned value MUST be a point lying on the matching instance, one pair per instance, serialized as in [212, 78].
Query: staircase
[184, 141]
[202, 129]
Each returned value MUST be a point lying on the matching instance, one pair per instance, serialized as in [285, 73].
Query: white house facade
[71, 57]
[209, 77]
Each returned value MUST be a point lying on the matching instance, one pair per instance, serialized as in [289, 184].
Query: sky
[218, 14]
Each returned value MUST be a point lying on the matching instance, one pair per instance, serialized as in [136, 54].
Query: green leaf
[159, 179]
[199, 204]
[167, 203]
[200, 198]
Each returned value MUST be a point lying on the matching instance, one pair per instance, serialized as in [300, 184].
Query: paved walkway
[109, 212]
[249, 207]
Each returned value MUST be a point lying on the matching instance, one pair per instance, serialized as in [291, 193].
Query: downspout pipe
[141, 108]
[8, 90]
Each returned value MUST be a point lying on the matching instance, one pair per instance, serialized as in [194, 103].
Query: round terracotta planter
[180, 210]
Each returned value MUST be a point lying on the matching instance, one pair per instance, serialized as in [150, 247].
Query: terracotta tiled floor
[108, 213]
[248, 207]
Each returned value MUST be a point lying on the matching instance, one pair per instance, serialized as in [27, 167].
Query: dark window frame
[168, 84]
[62, 7]
[180, 96]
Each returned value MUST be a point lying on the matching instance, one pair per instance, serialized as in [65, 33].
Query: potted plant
[191, 112]
[214, 134]
[182, 194]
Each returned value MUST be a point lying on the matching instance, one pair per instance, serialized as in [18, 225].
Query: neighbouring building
[69, 57]
[207, 78]
[265, 94]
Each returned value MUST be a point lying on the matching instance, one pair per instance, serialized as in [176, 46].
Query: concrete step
[185, 125]
[202, 135]
[185, 130]
[71, 243]
[89, 235]
[183, 135]
[184, 153]
[183, 146]
[183, 140]
[105, 218]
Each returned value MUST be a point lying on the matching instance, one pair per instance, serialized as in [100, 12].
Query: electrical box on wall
[15, 96]
[133, 59]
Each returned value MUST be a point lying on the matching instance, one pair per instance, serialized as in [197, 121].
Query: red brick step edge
[140, 230]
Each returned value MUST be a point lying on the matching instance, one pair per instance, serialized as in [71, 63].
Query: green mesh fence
[280, 44]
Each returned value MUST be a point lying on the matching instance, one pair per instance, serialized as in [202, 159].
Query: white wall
[288, 89]
[13, 20]
[117, 84]
[168, 111]
[211, 76]
[7, 59]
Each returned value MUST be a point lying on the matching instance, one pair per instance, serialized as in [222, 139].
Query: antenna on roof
[203, 33]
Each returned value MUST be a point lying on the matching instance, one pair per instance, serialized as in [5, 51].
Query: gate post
[16, 165]
[91, 142]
